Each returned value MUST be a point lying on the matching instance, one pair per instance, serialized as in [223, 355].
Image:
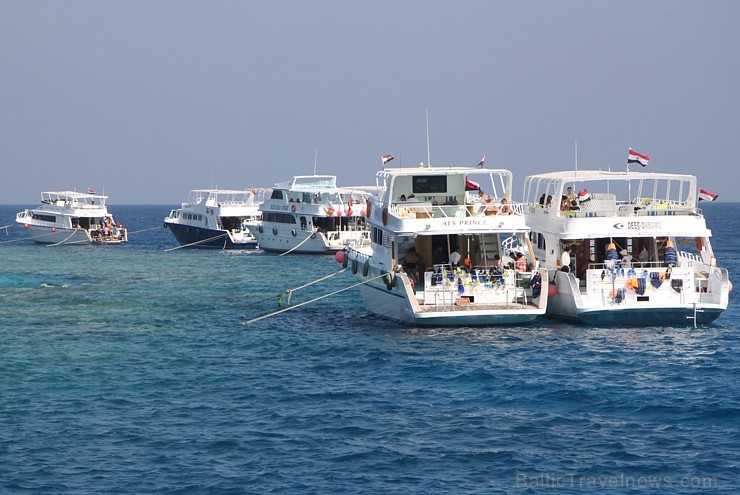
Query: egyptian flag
[707, 196]
[386, 158]
[482, 162]
[635, 157]
[471, 186]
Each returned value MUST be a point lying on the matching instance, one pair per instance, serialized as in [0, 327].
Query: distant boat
[217, 218]
[442, 253]
[640, 248]
[310, 214]
[70, 217]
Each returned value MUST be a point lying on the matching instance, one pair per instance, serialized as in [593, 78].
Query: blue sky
[148, 100]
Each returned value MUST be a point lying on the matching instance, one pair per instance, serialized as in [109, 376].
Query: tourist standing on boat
[454, 258]
[626, 259]
[644, 256]
[565, 258]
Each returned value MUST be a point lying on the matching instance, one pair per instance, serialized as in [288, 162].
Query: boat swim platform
[445, 308]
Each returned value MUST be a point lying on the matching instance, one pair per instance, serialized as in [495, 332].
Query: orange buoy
[330, 212]
[53, 229]
[339, 257]
[552, 290]
[25, 225]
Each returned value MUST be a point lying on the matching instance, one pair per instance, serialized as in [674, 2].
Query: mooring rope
[299, 244]
[196, 242]
[248, 322]
[290, 291]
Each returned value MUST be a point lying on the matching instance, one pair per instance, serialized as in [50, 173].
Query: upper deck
[434, 200]
[588, 200]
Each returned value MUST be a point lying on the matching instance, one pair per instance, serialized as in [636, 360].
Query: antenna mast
[429, 159]
[315, 159]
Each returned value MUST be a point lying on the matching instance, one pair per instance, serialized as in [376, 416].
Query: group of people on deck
[612, 257]
[494, 207]
[569, 201]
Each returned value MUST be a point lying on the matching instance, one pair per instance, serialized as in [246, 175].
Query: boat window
[44, 218]
[429, 184]
[276, 194]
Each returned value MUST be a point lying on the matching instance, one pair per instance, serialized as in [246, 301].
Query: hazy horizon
[151, 100]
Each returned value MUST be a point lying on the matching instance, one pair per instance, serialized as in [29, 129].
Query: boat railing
[415, 209]
[612, 208]
[444, 286]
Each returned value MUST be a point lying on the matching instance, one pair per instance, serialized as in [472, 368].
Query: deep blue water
[126, 369]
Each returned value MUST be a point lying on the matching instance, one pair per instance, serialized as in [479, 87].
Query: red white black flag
[386, 158]
[635, 157]
[707, 196]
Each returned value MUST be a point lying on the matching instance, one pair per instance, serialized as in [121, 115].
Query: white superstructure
[643, 220]
[310, 214]
[70, 217]
[422, 219]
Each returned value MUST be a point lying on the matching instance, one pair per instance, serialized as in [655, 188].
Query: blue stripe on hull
[188, 234]
[654, 317]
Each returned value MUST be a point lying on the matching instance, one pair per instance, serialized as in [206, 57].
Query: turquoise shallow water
[126, 369]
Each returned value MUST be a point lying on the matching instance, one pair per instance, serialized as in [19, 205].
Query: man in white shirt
[565, 259]
[626, 259]
[454, 258]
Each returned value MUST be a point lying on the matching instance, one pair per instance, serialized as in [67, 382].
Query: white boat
[70, 217]
[433, 212]
[676, 281]
[310, 214]
[217, 218]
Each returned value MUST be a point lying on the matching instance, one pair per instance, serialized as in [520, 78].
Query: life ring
[345, 261]
[698, 243]
[292, 208]
[368, 209]
[274, 231]
[388, 279]
[293, 232]
[165, 225]
[354, 266]
[385, 216]
[366, 268]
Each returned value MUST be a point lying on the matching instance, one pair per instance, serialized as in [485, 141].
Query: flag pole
[576, 157]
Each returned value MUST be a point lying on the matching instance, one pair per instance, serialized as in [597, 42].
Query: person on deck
[413, 264]
[626, 259]
[644, 256]
[454, 258]
[565, 258]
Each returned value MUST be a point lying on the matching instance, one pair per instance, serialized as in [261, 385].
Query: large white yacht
[448, 248]
[310, 214]
[70, 217]
[217, 218]
[639, 248]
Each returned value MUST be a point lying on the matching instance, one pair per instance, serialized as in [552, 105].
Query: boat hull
[45, 235]
[563, 307]
[207, 238]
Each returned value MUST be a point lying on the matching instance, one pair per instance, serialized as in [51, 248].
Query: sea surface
[128, 370]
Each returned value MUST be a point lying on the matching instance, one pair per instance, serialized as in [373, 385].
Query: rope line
[289, 291]
[196, 242]
[299, 244]
[248, 322]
